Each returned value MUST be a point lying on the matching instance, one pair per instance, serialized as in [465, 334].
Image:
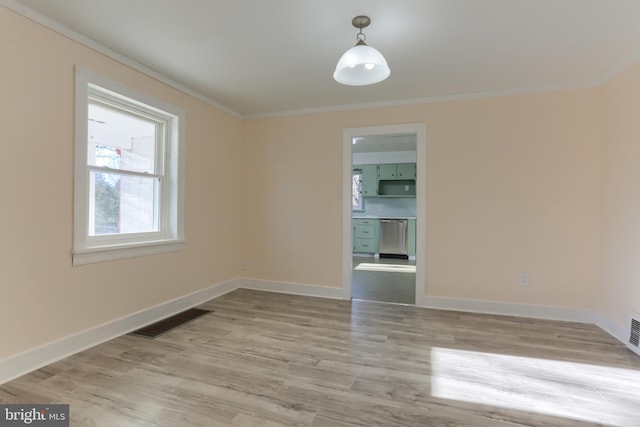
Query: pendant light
[361, 65]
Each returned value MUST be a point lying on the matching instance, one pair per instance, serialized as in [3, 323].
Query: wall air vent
[634, 334]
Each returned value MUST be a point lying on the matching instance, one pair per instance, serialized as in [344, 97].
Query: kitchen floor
[384, 279]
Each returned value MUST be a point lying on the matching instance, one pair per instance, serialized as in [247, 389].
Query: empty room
[305, 213]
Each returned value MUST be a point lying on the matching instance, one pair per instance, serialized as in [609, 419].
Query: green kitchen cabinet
[388, 180]
[397, 171]
[369, 180]
[411, 238]
[406, 170]
[366, 235]
[388, 171]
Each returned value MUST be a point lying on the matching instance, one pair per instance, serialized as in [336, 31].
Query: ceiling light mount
[361, 22]
[361, 65]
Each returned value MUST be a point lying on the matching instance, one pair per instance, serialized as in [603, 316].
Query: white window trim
[92, 249]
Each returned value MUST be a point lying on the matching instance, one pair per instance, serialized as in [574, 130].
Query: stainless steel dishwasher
[393, 237]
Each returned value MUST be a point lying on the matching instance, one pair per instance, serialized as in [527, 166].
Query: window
[357, 201]
[128, 172]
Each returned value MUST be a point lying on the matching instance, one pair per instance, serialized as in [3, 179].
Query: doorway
[378, 203]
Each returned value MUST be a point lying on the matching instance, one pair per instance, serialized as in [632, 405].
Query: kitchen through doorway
[383, 214]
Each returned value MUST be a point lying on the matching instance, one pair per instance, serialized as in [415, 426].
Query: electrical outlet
[524, 279]
[245, 264]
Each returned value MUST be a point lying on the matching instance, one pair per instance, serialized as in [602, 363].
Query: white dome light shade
[361, 65]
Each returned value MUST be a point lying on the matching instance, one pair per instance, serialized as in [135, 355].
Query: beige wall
[42, 297]
[512, 186]
[621, 195]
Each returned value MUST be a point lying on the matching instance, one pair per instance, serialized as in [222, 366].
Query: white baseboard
[291, 288]
[613, 328]
[35, 358]
[511, 309]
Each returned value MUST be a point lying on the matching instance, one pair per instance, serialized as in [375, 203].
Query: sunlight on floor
[391, 268]
[578, 391]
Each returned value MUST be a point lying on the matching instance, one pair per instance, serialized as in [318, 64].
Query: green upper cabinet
[388, 180]
[406, 170]
[369, 180]
[389, 171]
[401, 171]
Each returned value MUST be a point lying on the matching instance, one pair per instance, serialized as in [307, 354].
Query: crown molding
[427, 100]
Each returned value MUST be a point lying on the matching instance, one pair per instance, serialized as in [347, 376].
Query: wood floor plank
[268, 359]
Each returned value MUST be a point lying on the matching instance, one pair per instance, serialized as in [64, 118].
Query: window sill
[116, 252]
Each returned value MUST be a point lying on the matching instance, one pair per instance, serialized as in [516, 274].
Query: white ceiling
[265, 57]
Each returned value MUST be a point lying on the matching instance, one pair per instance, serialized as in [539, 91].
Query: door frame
[419, 129]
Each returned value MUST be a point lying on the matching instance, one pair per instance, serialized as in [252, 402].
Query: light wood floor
[384, 279]
[266, 359]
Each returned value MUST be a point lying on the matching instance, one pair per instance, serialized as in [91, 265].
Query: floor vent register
[165, 325]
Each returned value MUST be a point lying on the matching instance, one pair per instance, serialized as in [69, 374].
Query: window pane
[121, 141]
[357, 201]
[123, 204]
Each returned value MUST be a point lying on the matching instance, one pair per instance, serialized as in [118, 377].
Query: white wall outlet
[524, 279]
[245, 264]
